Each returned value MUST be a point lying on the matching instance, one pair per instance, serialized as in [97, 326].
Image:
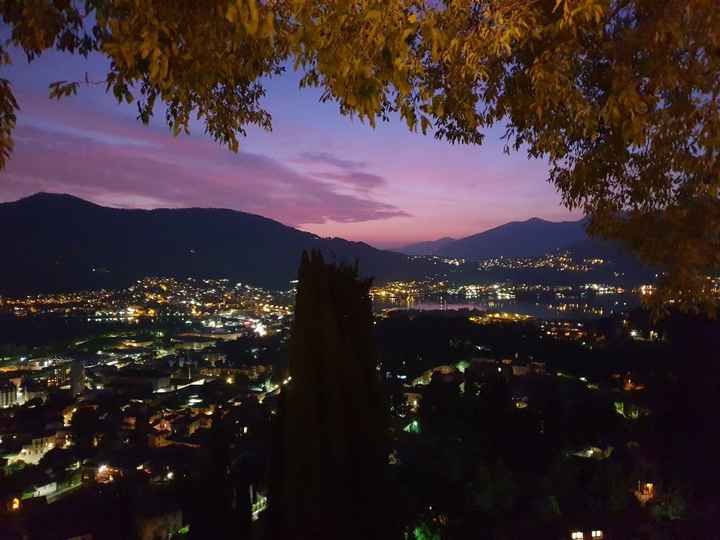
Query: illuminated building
[412, 401]
[593, 534]
[490, 318]
[645, 492]
[32, 453]
[259, 502]
[106, 474]
[8, 394]
[412, 427]
[77, 378]
[519, 370]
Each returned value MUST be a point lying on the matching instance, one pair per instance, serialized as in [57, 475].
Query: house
[587, 534]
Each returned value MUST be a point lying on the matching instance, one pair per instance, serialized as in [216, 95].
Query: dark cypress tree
[218, 494]
[330, 451]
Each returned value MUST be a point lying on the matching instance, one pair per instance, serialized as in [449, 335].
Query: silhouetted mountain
[431, 247]
[530, 238]
[534, 238]
[57, 242]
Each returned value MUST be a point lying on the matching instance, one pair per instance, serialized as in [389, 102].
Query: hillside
[530, 238]
[58, 242]
[431, 247]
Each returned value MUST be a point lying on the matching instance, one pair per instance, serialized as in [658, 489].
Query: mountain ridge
[429, 247]
[529, 238]
[60, 242]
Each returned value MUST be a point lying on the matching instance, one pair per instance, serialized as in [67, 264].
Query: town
[135, 385]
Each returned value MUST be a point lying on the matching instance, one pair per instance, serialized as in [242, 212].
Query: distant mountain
[534, 238]
[57, 242]
[530, 238]
[431, 247]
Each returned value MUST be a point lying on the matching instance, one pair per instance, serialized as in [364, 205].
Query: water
[567, 308]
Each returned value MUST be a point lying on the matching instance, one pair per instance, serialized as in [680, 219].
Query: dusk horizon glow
[318, 171]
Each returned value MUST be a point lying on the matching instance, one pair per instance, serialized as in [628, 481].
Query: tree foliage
[621, 97]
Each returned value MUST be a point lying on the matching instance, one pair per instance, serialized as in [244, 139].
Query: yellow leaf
[268, 27]
[231, 14]
[252, 20]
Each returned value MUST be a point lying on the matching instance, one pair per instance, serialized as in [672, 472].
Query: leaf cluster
[622, 97]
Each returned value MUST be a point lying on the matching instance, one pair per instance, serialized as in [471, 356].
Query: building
[31, 389]
[520, 370]
[77, 378]
[645, 492]
[252, 372]
[8, 394]
[259, 502]
[412, 401]
[591, 534]
[214, 358]
[33, 452]
[138, 378]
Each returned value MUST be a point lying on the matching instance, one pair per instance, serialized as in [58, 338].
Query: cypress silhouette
[330, 450]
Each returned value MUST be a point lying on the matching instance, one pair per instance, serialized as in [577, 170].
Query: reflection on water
[567, 308]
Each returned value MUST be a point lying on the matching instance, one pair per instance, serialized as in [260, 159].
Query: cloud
[120, 164]
[328, 159]
[349, 174]
[359, 180]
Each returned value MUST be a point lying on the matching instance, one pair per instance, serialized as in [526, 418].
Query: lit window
[577, 535]
[597, 534]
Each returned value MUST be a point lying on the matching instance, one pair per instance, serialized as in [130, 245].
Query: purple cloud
[359, 180]
[327, 158]
[131, 166]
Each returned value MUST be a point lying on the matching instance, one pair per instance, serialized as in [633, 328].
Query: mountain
[537, 237]
[431, 247]
[55, 242]
[529, 238]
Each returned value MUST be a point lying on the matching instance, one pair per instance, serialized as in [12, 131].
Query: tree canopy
[621, 97]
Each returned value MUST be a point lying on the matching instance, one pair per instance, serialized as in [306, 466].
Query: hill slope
[431, 247]
[530, 238]
[535, 238]
[59, 242]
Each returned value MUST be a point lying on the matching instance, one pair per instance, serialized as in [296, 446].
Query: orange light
[15, 505]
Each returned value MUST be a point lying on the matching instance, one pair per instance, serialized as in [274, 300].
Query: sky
[317, 170]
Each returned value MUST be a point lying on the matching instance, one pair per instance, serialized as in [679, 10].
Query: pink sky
[316, 170]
